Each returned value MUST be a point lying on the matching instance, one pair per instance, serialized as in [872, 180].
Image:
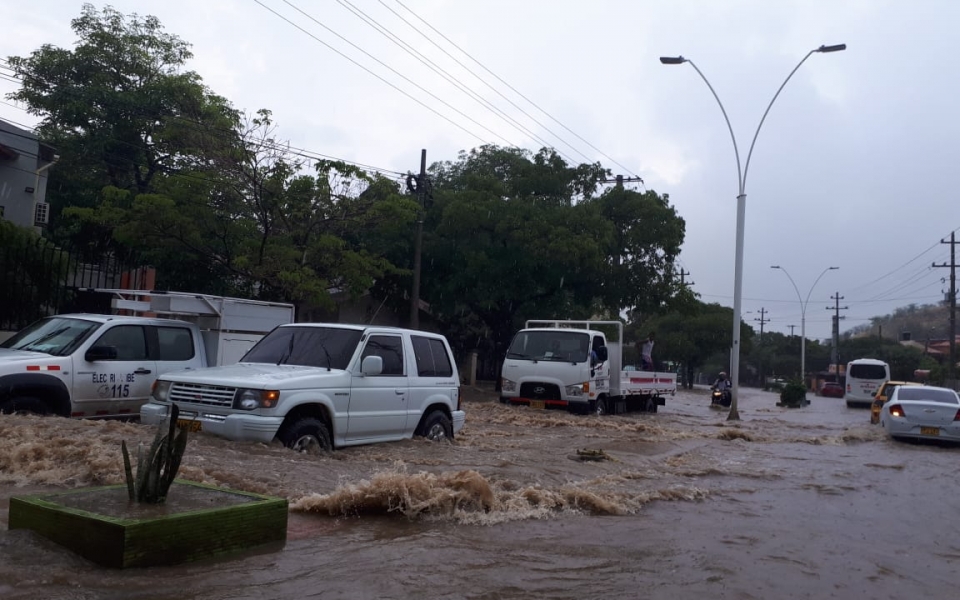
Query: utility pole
[951, 367]
[763, 311]
[835, 353]
[420, 189]
[763, 320]
[791, 329]
[621, 179]
[682, 275]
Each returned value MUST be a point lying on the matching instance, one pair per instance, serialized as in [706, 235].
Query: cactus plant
[157, 467]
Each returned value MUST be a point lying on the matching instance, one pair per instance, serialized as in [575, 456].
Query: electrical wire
[446, 75]
[405, 93]
[501, 80]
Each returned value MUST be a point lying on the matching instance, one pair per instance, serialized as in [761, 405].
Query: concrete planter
[197, 521]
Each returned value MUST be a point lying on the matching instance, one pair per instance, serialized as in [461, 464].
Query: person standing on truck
[646, 353]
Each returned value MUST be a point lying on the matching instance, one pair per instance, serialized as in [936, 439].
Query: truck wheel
[308, 435]
[600, 407]
[24, 404]
[436, 427]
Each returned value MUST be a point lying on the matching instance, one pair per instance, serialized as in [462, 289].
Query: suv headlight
[253, 399]
[161, 390]
[507, 386]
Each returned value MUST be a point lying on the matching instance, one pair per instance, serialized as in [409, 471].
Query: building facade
[24, 164]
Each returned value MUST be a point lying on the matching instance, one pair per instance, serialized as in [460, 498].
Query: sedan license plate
[190, 425]
[929, 431]
[537, 404]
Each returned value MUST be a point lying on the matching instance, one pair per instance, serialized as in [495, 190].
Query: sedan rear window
[927, 395]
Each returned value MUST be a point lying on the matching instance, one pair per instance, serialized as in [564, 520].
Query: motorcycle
[720, 397]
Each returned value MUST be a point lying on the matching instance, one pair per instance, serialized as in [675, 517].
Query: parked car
[922, 412]
[831, 389]
[882, 395]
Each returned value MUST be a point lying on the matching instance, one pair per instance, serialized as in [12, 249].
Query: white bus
[864, 378]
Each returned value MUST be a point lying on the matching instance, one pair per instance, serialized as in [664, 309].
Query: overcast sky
[853, 167]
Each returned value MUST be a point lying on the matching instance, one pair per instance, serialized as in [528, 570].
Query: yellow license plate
[929, 431]
[190, 425]
[537, 404]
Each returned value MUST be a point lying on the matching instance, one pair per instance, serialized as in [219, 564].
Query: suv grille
[210, 395]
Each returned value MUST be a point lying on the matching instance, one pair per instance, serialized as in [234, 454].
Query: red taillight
[896, 410]
[956, 417]
[458, 399]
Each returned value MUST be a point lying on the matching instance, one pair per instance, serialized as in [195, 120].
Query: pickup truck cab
[89, 365]
[318, 386]
[83, 365]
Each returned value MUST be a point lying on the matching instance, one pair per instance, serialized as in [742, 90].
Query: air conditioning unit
[41, 215]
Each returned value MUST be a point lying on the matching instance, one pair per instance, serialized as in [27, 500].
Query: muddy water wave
[525, 503]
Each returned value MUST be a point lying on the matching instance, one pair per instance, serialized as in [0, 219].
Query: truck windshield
[57, 336]
[328, 347]
[565, 346]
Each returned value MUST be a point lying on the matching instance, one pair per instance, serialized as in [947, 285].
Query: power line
[434, 29]
[401, 75]
[884, 276]
[431, 109]
[446, 75]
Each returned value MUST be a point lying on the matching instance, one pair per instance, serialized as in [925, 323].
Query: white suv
[318, 386]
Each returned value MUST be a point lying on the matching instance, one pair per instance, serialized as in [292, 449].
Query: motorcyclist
[722, 383]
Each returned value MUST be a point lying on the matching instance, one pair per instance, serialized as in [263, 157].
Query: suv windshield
[329, 347]
[566, 346]
[57, 336]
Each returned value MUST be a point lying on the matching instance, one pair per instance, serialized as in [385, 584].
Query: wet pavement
[785, 503]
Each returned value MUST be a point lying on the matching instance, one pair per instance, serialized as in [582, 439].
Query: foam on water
[468, 497]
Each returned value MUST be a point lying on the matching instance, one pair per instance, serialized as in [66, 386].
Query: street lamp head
[833, 268]
[775, 266]
[834, 48]
[672, 60]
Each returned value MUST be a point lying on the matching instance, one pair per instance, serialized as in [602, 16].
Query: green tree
[120, 109]
[691, 337]
[528, 236]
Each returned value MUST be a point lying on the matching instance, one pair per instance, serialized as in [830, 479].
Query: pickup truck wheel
[436, 427]
[308, 435]
[24, 404]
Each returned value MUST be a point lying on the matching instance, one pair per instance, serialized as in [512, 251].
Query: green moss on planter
[198, 521]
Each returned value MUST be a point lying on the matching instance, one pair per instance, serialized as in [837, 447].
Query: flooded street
[786, 503]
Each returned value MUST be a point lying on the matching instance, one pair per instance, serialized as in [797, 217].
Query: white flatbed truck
[573, 365]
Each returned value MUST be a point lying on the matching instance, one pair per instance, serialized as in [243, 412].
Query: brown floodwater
[786, 503]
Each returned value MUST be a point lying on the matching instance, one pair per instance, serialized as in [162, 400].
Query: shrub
[794, 394]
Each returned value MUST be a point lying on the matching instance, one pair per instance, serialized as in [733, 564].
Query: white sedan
[922, 412]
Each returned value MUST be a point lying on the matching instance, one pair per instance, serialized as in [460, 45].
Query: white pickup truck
[86, 365]
[318, 386]
[572, 365]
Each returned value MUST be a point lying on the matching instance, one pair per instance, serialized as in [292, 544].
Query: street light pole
[741, 212]
[803, 317]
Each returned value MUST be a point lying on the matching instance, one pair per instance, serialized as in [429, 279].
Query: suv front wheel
[436, 426]
[308, 435]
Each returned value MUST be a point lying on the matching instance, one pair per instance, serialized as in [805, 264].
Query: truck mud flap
[660, 400]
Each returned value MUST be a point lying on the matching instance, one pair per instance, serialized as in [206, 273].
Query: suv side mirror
[96, 353]
[372, 365]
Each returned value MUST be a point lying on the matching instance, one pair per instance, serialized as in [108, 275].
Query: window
[176, 343]
[390, 349]
[865, 371]
[328, 347]
[927, 394]
[129, 340]
[432, 357]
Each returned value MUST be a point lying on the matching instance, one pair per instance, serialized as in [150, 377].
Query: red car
[831, 389]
